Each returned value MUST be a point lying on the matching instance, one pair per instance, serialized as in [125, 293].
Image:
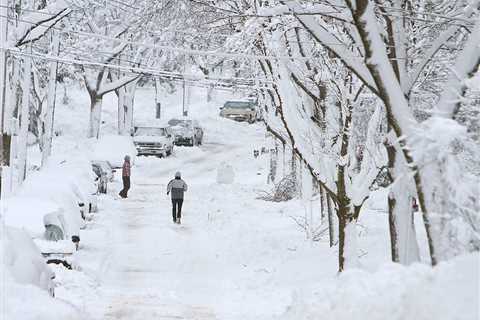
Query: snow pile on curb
[57, 189]
[448, 291]
[26, 279]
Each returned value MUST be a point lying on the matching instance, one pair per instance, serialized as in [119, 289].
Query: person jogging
[125, 177]
[177, 187]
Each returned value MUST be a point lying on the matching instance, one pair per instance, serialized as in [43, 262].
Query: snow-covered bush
[285, 190]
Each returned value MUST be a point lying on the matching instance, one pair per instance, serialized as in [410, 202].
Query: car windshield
[150, 132]
[238, 104]
[181, 123]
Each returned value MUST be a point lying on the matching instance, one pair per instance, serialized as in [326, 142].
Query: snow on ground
[234, 256]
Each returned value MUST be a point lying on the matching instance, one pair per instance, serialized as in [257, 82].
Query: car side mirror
[221, 108]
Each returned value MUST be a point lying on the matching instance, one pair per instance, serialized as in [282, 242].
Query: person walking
[177, 187]
[125, 177]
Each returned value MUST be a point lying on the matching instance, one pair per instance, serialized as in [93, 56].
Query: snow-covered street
[232, 256]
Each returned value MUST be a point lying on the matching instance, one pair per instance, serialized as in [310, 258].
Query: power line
[138, 70]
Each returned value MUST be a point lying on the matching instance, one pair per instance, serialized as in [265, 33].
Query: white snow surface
[225, 174]
[234, 256]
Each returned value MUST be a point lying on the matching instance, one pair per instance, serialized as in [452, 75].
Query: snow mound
[395, 292]
[24, 261]
[114, 148]
[28, 213]
[225, 174]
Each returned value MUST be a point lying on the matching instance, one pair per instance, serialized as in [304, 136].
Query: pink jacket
[126, 169]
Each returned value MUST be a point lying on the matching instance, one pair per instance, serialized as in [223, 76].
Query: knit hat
[178, 174]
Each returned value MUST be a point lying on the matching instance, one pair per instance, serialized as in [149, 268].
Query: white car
[153, 140]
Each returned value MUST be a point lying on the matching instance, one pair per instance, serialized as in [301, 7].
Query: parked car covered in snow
[153, 140]
[187, 132]
[114, 148]
[239, 110]
[24, 261]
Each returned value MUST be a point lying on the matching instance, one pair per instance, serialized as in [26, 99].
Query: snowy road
[232, 257]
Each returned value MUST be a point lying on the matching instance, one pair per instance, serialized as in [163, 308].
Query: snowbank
[114, 148]
[26, 281]
[58, 188]
[24, 261]
[448, 291]
[28, 213]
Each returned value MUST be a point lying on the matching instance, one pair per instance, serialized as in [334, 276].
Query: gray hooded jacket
[177, 187]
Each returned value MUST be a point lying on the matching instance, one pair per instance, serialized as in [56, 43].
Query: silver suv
[239, 110]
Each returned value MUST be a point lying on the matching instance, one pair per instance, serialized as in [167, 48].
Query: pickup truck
[153, 140]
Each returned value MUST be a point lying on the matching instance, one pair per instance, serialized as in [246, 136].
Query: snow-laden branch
[329, 11]
[466, 65]
[334, 45]
[111, 86]
[432, 51]
[33, 26]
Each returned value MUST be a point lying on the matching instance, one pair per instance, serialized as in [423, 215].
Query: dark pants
[177, 208]
[126, 187]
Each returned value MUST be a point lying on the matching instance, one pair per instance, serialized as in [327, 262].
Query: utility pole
[52, 85]
[25, 121]
[4, 138]
[158, 105]
[4, 170]
[184, 110]
[185, 113]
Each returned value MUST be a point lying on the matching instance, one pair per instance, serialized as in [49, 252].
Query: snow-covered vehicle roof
[155, 123]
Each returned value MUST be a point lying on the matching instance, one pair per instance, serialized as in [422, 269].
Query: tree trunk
[321, 195]
[347, 240]
[95, 115]
[25, 121]
[402, 229]
[126, 99]
[129, 105]
[403, 239]
[332, 222]
[50, 109]
[121, 110]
